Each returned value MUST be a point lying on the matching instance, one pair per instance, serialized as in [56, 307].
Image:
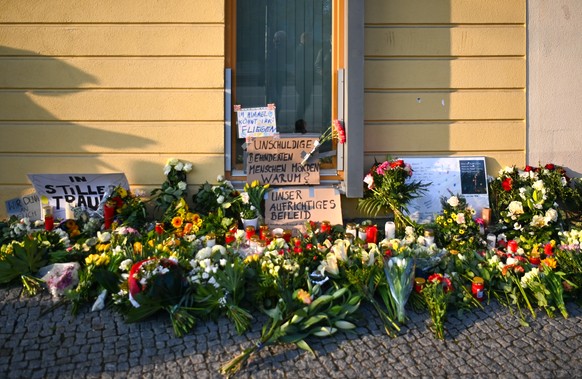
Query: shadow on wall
[32, 132]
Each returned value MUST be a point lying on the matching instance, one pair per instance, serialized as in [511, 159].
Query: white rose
[182, 186]
[453, 201]
[551, 215]
[515, 207]
[179, 166]
[460, 218]
[219, 178]
[167, 169]
[538, 185]
[187, 167]
[172, 162]
[220, 199]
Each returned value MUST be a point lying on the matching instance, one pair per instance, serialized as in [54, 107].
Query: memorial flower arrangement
[175, 186]
[218, 197]
[436, 294]
[456, 227]
[390, 189]
[307, 284]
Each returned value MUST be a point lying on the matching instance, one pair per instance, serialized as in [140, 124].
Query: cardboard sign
[466, 176]
[25, 206]
[256, 122]
[81, 190]
[294, 206]
[277, 161]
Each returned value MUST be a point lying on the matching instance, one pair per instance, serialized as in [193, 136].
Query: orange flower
[303, 296]
[188, 227]
[137, 247]
[549, 262]
[177, 222]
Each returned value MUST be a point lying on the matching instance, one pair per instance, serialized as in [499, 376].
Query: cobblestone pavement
[483, 343]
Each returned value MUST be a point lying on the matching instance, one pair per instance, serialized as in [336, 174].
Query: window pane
[283, 56]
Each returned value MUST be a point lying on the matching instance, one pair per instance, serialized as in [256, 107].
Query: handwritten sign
[84, 190]
[25, 206]
[256, 122]
[277, 161]
[294, 206]
[466, 176]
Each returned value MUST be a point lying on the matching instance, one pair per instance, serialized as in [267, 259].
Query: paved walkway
[484, 343]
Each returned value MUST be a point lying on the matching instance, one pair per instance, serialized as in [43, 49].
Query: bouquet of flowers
[175, 186]
[436, 294]
[252, 200]
[400, 274]
[129, 208]
[212, 198]
[334, 131]
[456, 228]
[389, 188]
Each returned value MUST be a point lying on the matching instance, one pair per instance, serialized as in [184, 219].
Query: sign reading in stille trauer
[277, 161]
[293, 206]
[80, 190]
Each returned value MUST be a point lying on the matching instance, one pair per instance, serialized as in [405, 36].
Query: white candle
[390, 230]
[491, 241]
[69, 213]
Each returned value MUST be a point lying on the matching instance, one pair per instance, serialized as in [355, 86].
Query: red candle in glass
[250, 231]
[49, 222]
[49, 219]
[371, 234]
[228, 238]
[264, 232]
[108, 214]
[478, 288]
[287, 235]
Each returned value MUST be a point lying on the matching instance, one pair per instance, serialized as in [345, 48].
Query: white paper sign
[82, 190]
[466, 176]
[25, 206]
[256, 122]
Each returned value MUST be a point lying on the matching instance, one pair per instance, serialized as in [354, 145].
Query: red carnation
[548, 249]
[528, 168]
[341, 133]
[507, 184]
[550, 166]
[397, 163]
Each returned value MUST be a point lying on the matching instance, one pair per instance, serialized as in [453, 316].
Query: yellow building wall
[446, 78]
[110, 86]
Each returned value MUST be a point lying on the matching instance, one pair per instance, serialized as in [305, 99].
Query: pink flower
[341, 133]
[382, 168]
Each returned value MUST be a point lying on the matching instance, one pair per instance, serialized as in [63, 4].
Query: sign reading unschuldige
[279, 161]
[256, 122]
[81, 190]
[293, 206]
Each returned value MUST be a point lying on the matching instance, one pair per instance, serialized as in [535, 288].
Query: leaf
[313, 320]
[304, 346]
[320, 301]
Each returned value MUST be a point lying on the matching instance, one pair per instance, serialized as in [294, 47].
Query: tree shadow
[33, 131]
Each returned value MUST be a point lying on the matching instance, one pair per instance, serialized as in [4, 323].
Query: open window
[284, 52]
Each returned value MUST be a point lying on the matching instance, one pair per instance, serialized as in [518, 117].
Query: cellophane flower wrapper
[400, 275]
